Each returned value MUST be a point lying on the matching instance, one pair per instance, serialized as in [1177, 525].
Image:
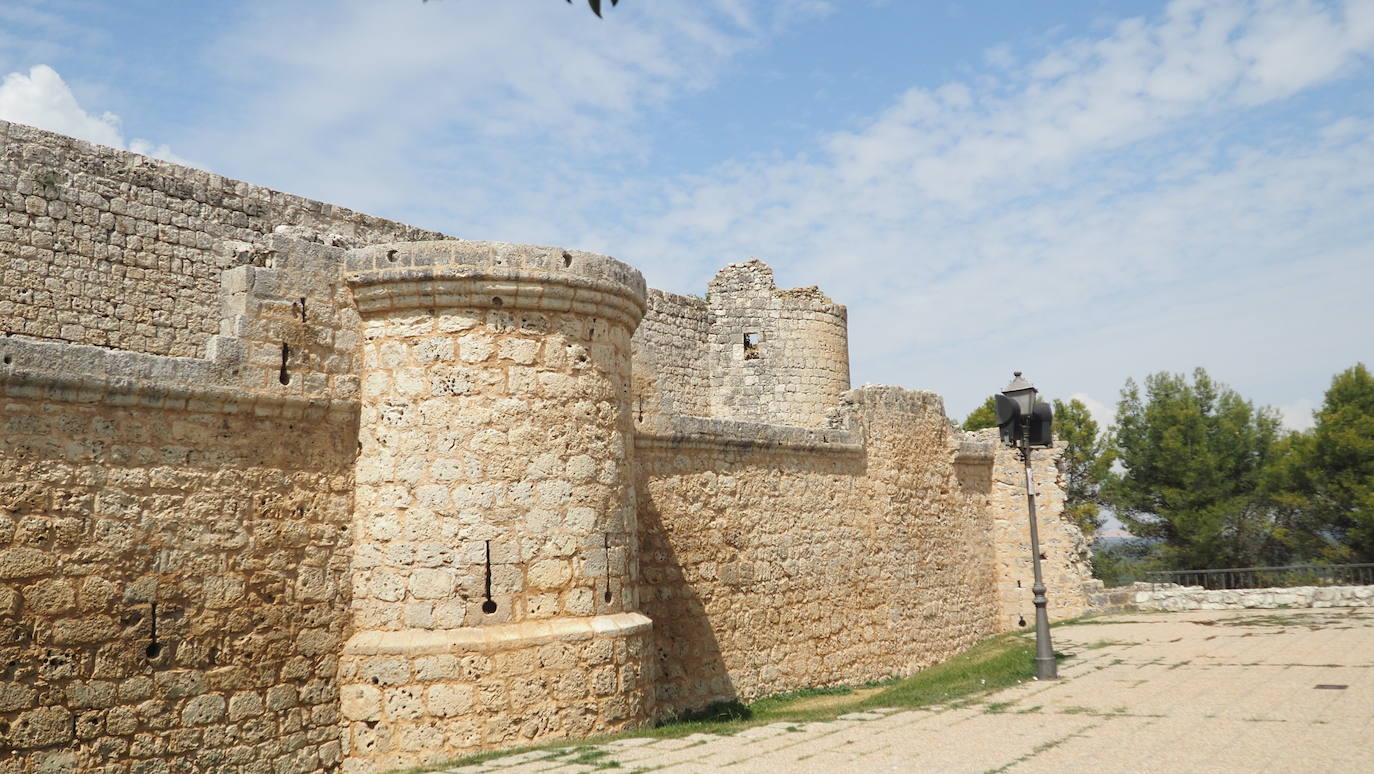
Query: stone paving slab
[1229, 692]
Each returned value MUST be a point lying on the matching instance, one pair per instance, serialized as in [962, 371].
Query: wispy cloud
[1099, 207]
[1101, 187]
[469, 97]
[1176, 190]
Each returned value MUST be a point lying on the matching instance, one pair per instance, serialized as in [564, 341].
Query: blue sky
[1085, 191]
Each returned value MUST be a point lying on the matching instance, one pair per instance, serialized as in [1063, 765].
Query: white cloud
[1083, 213]
[42, 99]
[1105, 190]
[161, 151]
[1298, 415]
[477, 94]
[1103, 414]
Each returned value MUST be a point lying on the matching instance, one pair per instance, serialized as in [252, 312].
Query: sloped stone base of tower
[418, 697]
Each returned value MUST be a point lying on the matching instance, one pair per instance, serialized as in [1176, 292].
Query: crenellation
[288, 487]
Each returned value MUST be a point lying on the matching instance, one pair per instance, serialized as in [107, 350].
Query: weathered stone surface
[280, 492]
[1172, 597]
[40, 727]
[25, 562]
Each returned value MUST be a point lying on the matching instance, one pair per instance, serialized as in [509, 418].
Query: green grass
[992, 664]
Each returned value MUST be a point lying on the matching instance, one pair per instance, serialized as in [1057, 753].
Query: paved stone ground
[1223, 691]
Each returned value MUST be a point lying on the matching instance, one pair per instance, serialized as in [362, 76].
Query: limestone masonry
[288, 488]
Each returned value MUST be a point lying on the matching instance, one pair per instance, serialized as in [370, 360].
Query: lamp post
[1026, 423]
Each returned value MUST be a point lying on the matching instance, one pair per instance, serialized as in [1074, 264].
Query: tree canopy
[1325, 478]
[1085, 460]
[983, 417]
[1193, 455]
[1207, 480]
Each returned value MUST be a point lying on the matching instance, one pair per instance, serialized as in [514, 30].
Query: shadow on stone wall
[719, 577]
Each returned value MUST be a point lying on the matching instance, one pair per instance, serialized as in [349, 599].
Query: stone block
[204, 709]
[25, 563]
[448, 700]
[360, 702]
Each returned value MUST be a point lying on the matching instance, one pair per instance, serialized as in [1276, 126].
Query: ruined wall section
[174, 537]
[775, 558]
[671, 361]
[777, 356]
[112, 249]
[1065, 565]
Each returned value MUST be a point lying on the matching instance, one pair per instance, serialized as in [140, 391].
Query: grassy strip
[991, 665]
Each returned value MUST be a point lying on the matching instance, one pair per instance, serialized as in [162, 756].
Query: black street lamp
[1025, 424]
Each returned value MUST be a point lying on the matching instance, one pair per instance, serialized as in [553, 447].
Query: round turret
[493, 497]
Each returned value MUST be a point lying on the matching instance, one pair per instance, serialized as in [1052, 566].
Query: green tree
[1085, 460]
[983, 417]
[1325, 483]
[1193, 455]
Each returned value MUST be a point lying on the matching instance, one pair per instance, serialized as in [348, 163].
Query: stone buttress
[495, 567]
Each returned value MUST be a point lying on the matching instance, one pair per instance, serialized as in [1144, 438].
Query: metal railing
[1269, 577]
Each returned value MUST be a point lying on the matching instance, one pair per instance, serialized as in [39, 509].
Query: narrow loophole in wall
[302, 308]
[489, 606]
[154, 648]
[8, 359]
[284, 377]
[751, 346]
[606, 545]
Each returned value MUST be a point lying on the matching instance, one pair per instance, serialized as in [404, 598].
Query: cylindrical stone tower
[494, 566]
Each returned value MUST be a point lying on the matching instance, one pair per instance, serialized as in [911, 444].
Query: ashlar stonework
[288, 488]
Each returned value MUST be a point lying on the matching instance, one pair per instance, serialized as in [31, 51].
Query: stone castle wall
[119, 250]
[288, 488]
[1065, 553]
[175, 541]
[774, 559]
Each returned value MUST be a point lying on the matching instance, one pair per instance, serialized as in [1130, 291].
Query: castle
[288, 488]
